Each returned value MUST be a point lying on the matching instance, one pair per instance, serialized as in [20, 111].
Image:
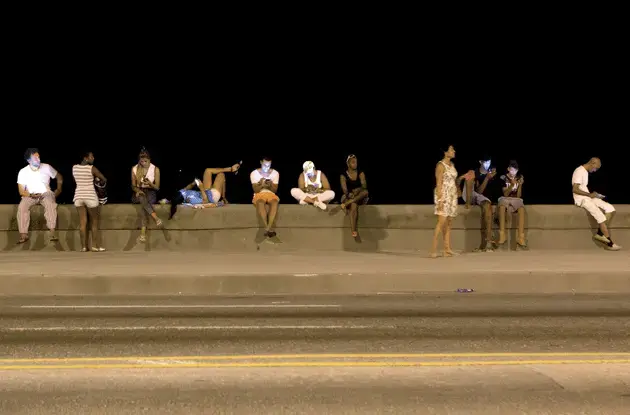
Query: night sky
[550, 108]
[398, 171]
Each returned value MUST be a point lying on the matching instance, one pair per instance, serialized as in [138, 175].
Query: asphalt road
[448, 353]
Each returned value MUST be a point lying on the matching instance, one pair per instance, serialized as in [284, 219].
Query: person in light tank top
[313, 187]
[86, 200]
[145, 183]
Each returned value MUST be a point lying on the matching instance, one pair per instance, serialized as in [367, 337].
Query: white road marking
[183, 306]
[305, 275]
[184, 328]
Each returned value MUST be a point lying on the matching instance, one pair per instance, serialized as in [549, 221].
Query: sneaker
[601, 238]
[320, 205]
[613, 247]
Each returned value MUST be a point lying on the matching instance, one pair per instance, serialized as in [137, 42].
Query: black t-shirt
[493, 188]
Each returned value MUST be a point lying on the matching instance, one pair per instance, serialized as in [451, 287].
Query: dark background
[398, 171]
[550, 98]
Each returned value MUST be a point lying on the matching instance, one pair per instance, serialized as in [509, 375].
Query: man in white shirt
[265, 182]
[34, 187]
[593, 202]
[313, 187]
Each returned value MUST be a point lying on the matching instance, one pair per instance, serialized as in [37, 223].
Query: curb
[516, 282]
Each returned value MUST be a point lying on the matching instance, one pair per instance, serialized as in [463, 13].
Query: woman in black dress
[355, 193]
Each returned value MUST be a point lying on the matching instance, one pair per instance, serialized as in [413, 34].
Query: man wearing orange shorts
[265, 184]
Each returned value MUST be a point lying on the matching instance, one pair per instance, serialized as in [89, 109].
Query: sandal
[23, 239]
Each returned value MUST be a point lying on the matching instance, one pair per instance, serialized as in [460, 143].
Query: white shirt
[273, 175]
[317, 182]
[37, 181]
[580, 176]
[150, 175]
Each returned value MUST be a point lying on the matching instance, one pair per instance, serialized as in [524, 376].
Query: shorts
[194, 196]
[265, 196]
[88, 203]
[511, 203]
[477, 198]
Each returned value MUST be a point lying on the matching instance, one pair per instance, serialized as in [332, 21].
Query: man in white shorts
[593, 202]
[313, 187]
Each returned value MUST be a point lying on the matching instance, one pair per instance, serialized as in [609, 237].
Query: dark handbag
[101, 190]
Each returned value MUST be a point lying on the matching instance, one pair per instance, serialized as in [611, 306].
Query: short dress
[448, 206]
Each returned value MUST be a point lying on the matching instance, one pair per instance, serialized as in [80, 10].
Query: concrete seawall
[383, 228]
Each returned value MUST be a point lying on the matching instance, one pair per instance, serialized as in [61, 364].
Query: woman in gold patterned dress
[445, 198]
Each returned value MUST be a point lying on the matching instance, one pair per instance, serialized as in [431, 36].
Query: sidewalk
[172, 273]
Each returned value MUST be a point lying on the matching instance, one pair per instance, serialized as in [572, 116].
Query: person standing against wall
[86, 200]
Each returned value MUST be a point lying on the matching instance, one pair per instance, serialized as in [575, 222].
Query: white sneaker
[320, 205]
[614, 247]
[303, 203]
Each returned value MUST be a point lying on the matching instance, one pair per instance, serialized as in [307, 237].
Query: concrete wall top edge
[127, 216]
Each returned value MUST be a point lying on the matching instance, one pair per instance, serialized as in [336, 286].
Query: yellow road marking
[317, 364]
[319, 356]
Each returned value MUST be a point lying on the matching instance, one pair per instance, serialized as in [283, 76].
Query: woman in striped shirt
[86, 200]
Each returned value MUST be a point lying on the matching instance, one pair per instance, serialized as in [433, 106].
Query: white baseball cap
[308, 167]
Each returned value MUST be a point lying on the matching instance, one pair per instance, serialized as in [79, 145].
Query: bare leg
[94, 217]
[487, 211]
[521, 226]
[262, 211]
[439, 227]
[273, 211]
[447, 237]
[609, 217]
[469, 192]
[354, 219]
[502, 235]
[359, 197]
[82, 210]
[219, 184]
